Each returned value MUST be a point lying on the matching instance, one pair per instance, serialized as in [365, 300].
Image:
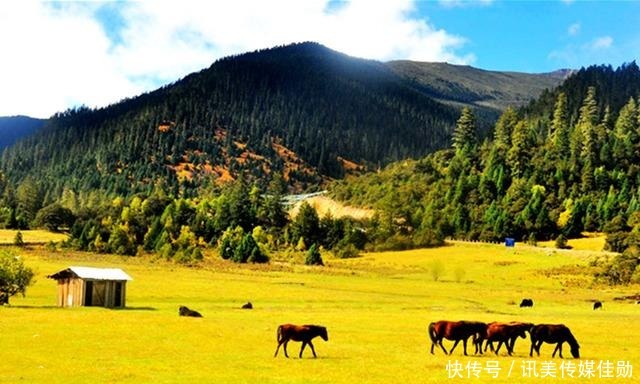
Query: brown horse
[553, 334]
[304, 333]
[505, 333]
[457, 331]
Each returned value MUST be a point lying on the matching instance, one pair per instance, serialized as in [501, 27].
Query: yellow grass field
[34, 236]
[376, 308]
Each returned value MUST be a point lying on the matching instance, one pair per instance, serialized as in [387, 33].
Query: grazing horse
[457, 331]
[184, 311]
[552, 334]
[506, 333]
[526, 303]
[597, 305]
[304, 333]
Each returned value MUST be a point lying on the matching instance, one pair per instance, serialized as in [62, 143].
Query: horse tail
[432, 332]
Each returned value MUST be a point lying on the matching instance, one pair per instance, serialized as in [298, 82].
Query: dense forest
[301, 110]
[565, 164]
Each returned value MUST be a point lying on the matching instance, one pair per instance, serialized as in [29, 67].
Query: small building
[91, 287]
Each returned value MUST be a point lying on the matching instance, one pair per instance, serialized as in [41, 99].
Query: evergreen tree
[313, 256]
[464, 134]
[505, 126]
[560, 127]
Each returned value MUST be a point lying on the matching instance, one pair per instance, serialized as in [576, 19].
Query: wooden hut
[97, 287]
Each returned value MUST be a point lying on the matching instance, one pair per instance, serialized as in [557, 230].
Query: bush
[313, 256]
[624, 268]
[347, 251]
[562, 242]
[436, 269]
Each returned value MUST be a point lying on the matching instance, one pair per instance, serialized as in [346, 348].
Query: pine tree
[504, 127]
[313, 256]
[626, 133]
[518, 155]
[560, 127]
[587, 123]
[464, 134]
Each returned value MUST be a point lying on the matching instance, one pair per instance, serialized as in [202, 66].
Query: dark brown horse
[553, 334]
[505, 333]
[304, 333]
[457, 331]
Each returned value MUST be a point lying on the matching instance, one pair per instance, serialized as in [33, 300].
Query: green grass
[376, 308]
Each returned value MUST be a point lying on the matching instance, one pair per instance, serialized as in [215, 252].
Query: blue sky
[63, 54]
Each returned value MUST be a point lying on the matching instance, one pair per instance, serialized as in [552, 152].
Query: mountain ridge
[322, 105]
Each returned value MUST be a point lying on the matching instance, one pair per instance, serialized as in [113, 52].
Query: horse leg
[304, 344]
[442, 346]
[512, 343]
[499, 346]
[279, 344]
[464, 345]
[285, 349]
[312, 349]
[558, 349]
[535, 346]
[452, 348]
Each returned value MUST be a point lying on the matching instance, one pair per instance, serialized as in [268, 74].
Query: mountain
[12, 128]
[302, 110]
[464, 85]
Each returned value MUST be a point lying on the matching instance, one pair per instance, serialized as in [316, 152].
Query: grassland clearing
[32, 236]
[376, 308]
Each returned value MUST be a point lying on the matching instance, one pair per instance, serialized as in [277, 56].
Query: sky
[59, 55]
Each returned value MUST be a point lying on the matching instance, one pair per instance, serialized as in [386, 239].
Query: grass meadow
[376, 308]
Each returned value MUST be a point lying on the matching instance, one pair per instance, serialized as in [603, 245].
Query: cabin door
[99, 293]
[88, 293]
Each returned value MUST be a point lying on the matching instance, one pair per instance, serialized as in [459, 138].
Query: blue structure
[509, 242]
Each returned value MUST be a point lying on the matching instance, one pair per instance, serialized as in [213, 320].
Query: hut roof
[91, 273]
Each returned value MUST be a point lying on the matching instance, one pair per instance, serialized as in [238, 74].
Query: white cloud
[603, 42]
[573, 29]
[61, 55]
[597, 51]
[464, 3]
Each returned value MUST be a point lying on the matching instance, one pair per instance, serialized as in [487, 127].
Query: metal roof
[93, 273]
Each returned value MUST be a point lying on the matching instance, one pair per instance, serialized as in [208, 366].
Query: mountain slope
[565, 164]
[12, 128]
[303, 110]
[461, 84]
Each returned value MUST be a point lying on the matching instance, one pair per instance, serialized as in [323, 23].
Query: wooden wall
[71, 293]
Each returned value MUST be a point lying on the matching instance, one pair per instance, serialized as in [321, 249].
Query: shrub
[313, 256]
[346, 251]
[436, 270]
[562, 242]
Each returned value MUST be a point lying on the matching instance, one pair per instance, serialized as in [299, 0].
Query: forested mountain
[12, 128]
[567, 163]
[489, 91]
[302, 110]
[297, 109]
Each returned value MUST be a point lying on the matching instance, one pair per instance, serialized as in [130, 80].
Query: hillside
[301, 110]
[295, 109]
[552, 168]
[464, 85]
[13, 128]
